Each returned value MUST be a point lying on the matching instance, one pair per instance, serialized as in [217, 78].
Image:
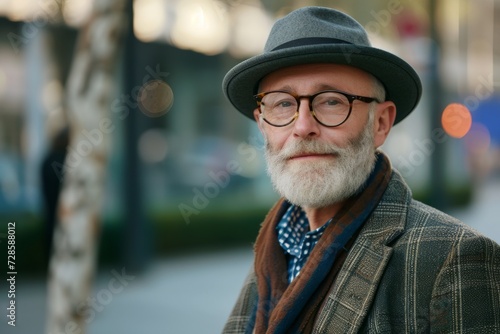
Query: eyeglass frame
[258, 97]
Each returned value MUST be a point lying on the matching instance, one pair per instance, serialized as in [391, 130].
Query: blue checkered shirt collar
[296, 239]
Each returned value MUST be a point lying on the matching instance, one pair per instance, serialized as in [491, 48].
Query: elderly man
[347, 249]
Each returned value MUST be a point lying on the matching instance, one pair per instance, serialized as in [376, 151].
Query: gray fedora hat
[322, 35]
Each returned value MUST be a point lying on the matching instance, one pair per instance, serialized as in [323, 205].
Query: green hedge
[218, 229]
[169, 234]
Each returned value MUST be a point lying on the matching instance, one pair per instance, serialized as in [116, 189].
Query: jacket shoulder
[414, 215]
[240, 318]
[422, 216]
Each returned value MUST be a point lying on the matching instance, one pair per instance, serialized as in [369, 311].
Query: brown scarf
[292, 308]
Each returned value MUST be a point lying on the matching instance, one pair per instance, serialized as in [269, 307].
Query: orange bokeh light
[456, 120]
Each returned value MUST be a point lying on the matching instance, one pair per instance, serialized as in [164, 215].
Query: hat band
[309, 41]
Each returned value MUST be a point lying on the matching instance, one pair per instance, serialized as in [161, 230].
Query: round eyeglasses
[329, 107]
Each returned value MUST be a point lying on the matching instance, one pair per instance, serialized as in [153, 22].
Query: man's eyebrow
[327, 87]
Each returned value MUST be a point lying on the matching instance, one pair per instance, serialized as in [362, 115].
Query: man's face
[312, 165]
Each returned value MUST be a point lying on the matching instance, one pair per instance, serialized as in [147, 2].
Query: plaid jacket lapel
[352, 294]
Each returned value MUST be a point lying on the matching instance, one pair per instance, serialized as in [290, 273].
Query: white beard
[325, 181]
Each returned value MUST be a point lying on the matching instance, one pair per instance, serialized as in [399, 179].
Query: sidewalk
[191, 294]
[183, 295]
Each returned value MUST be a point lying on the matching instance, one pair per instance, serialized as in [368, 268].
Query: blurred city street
[189, 294]
[116, 139]
[192, 293]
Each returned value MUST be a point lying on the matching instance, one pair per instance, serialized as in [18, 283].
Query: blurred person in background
[347, 249]
[52, 178]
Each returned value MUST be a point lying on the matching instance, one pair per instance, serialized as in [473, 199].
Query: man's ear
[256, 116]
[385, 114]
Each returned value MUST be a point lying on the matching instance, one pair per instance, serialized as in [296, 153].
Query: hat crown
[314, 25]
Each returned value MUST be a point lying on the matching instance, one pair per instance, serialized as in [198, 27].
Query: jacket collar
[350, 298]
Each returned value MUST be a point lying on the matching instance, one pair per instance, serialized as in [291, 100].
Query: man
[347, 249]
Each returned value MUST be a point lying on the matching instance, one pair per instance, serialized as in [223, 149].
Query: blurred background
[112, 111]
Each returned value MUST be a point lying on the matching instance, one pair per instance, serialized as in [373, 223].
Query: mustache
[302, 146]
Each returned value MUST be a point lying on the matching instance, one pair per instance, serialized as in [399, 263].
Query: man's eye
[285, 104]
[332, 102]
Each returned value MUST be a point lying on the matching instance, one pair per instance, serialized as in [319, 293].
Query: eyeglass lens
[330, 108]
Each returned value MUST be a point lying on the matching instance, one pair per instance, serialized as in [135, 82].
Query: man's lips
[311, 155]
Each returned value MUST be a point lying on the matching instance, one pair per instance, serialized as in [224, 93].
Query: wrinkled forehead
[307, 77]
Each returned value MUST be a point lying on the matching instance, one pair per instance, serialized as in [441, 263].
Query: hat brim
[400, 80]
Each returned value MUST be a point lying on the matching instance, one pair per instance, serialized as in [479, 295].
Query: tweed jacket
[412, 269]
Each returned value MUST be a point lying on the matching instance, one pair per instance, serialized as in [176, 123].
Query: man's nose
[305, 125]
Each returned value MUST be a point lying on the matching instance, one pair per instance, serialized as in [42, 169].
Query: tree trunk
[89, 92]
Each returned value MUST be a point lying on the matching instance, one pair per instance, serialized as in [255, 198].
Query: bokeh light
[456, 120]
[20, 10]
[478, 139]
[153, 146]
[149, 19]
[77, 12]
[251, 26]
[202, 26]
[155, 98]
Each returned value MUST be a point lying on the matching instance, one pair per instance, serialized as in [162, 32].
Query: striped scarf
[292, 308]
